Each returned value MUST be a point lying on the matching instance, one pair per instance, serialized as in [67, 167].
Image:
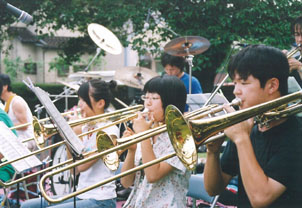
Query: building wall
[43, 56]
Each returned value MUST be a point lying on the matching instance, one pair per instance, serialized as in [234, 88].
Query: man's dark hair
[177, 61]
[6, 81]
[171, 90]
[263, 63]
[295, 23]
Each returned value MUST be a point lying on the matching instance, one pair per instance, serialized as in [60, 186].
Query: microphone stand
[98, 51]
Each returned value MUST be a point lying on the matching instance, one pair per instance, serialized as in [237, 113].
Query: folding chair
[25, 186]
[197, 190]
[8, 191]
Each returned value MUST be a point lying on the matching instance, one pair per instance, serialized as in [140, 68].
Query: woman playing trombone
[164, 184]
[94, 98]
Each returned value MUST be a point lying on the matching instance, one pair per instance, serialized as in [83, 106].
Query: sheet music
[196, 101]
[64, 129]
[293, 85]
[12, 148]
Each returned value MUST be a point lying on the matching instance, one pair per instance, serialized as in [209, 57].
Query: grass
[202, 155]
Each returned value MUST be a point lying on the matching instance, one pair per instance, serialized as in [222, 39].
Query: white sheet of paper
[12, 148]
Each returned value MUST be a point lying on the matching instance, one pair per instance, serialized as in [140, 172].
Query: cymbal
[104, 75]
[134, 76]
[104, 39]
[187, 45]
[93, 74]
[70, 85]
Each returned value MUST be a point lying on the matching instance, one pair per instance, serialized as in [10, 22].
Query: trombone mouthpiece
[146, 110]
[236, 101]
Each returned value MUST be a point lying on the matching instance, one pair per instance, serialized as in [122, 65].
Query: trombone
[106, 146]
[292, 52]
[183, 138]
[180, 134]
[111, 162]
[41, 120]
[47, 130]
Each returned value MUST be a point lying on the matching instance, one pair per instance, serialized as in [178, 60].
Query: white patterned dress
[170, 191]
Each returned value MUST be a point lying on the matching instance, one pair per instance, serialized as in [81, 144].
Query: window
[30, 68]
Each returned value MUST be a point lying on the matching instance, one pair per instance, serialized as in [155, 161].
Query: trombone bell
[104, 142]
[185, 135]
[181, 137]
[38, 133]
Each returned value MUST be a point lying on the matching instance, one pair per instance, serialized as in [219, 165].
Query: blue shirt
[196, 88]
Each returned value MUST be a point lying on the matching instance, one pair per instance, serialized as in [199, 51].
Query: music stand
[293, 86]
[73, 143]
[197, 101]
[12, 149]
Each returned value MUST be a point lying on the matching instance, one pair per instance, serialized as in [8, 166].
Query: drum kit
[136, 76]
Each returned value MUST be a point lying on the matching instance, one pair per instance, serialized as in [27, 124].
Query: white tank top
[22, 134]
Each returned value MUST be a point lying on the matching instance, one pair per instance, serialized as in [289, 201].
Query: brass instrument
[111, 161]
[39, 140]
[183, 138]
[42, 120]
[133, 140]
[185, 135]
[294, 51]
[47, 130]
[106, 146]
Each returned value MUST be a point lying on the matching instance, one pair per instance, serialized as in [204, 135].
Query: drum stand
[189, 60]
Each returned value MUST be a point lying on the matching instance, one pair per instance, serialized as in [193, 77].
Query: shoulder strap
[8, 103]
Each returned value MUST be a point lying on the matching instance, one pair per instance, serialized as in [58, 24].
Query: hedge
[122, 93]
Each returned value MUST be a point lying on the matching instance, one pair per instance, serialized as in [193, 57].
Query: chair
[197, 190]
[29, 187]
[14, 190]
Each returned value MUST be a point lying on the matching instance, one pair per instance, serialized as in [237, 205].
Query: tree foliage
[220, 21]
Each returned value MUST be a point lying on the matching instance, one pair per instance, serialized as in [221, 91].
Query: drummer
[174, 65]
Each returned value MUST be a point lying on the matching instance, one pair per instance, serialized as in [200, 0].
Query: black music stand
[72, 141]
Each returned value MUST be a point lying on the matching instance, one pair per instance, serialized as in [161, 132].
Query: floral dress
[170, 191]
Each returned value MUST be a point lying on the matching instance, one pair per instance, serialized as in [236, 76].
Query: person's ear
[4, 88]
[101, 104]
[272, 85]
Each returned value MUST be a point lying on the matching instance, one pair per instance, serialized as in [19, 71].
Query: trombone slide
[57, 200]
[186, 135]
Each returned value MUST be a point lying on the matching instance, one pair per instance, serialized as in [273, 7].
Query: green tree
[13, 67]
[220, 21]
